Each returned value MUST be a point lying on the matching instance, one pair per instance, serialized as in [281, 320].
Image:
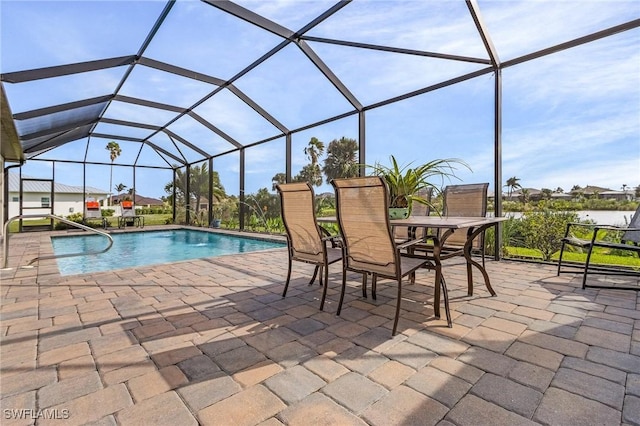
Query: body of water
[133, 249]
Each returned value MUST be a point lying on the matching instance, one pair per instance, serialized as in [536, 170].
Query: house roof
[43, 186]
[531, 191]
[561, 195]
[610, 192]
[590, 189]
[140, 200]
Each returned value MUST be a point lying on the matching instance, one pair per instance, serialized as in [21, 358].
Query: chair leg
[445, 294]
[344, 285]
[586, 267]
[324, 287]
[470, 279]
[560, 257]
[315, 274]
[374, 285]
[364, 285]
[436, 292]
[286, 285]
[398, 301]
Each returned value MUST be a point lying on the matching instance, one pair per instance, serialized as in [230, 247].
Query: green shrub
[543, 230]
[511, 236]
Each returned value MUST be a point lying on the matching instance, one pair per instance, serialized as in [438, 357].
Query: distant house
[40, 198]
[561, 196]
[627, 195]
[590, 191]
[532, 193]
[140, 201]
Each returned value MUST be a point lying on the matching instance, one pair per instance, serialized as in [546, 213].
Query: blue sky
[570, 118]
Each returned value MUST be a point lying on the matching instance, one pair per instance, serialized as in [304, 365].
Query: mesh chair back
[633, 236]
[92, 210]
[363, 216]
[298, 216]
[469, 200]
[127, 208]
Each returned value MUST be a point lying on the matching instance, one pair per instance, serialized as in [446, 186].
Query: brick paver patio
[211, 341]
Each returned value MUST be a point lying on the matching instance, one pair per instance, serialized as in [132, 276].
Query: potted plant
[217, 213]
[404, 182]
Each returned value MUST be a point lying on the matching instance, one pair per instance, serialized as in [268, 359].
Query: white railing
[5, 250]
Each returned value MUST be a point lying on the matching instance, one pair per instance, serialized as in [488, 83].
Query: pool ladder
[5, 250]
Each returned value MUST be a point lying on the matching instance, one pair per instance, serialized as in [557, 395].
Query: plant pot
[398, 212]
[215, 223]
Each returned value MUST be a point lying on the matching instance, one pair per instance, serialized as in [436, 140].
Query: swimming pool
[133, 249]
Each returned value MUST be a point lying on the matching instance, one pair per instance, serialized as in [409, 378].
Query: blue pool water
[133, 249]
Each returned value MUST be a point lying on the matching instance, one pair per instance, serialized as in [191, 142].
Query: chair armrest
[329, 237]
[615, 228]
[579, 241]
[603, 243]
[409, 243]
[332, 238]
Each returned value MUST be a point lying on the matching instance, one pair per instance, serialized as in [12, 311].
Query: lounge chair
[128, 215]
[92, 212]
[305, 240]
[367, 239]
[617, 238]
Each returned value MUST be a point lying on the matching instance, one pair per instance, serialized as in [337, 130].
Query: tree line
[341, 162]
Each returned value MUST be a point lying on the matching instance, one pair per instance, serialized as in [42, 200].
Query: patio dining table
[447, 226]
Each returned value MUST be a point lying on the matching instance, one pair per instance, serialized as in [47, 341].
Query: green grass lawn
[597, 258]
[149, 219]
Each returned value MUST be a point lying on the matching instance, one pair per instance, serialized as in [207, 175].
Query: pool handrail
[5, 250]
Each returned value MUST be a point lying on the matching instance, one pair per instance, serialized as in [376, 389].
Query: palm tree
[120, 187]
[314, 150]
[311, 172]
[198, 186]
[341, 161]
[114, 152]
[512, 184]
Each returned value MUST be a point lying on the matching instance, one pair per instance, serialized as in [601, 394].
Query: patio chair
[367, 239]
[92, 212]
[128, 215]
[617, 238]
[305, 240]
[468, 200]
